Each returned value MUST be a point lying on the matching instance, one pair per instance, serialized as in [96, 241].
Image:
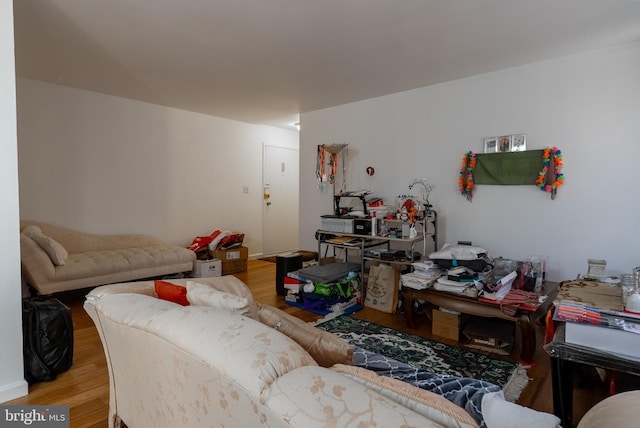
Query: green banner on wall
[508, 168]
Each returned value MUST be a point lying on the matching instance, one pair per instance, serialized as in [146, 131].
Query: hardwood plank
[85, 387]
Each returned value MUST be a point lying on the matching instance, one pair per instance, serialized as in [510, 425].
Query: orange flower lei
[541, 181]
[465, 180]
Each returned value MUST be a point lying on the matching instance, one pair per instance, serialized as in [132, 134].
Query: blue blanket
[465, 392]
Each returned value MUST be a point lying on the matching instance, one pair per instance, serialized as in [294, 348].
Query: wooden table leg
[562, 386]
[527, 337]
[407, 303]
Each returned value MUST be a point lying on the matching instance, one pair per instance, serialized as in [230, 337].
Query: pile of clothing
[218, 240]
[333, 287]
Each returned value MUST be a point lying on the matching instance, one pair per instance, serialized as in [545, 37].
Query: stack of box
[233, 260]
[206, 268]
[445, 323]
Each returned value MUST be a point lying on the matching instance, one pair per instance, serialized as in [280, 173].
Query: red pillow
[171, 292]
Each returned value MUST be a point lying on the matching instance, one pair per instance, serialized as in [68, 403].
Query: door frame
[264, 183]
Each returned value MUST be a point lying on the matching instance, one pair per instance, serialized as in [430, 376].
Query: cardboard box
[234, 260]
[234, 266]
[206, 268]
[490, 334]
[445, 324]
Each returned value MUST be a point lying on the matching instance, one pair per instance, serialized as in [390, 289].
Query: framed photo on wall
[490, 145]
[504, 143]
[519, 143]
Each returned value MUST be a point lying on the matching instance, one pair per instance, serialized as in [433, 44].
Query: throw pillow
[56, 252]
[205, 295]
[171, 292]
[326, 348]
[434, 406]
[232, 285]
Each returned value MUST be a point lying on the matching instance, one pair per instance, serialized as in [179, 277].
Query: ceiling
[265, 62]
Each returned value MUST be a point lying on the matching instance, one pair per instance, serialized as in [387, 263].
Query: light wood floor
[85, 386]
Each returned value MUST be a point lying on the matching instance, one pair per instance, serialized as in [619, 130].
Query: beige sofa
[57, 259]
[225, 361]
[619, 411]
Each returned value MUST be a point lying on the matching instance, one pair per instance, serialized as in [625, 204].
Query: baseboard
[13, 390]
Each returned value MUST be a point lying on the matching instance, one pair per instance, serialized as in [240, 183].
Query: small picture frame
[490, 145]
[504, 144]
[518, 143]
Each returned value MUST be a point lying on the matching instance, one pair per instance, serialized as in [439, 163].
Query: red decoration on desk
[514, 300]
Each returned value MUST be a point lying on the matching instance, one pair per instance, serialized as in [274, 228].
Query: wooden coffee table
[525, 317]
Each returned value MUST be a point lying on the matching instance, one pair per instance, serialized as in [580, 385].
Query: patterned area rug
[428, 354]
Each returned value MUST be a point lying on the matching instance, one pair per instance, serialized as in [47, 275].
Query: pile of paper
[428, 268]
[502, 288]
[424, 275]
[417, 280]
[443, 284]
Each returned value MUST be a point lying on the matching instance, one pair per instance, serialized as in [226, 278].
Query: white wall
[12, 383]
[587, 105]
[105, 164]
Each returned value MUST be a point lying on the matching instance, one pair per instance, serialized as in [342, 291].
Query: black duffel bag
[47, 332]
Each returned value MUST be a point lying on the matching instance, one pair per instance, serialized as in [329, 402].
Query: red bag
[201, 242]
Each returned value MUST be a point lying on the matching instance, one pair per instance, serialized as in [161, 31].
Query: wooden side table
[566, 358]
[524, 318]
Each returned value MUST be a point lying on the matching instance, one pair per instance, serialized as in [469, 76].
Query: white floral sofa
[226, 361]
[56, 259]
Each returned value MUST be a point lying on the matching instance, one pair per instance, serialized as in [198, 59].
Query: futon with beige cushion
[202, 353]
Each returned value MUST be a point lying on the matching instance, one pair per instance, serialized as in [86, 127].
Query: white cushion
[205, 295]
[56, 252]
[495, 407]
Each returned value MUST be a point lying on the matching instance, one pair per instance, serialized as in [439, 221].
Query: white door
[280, 200]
